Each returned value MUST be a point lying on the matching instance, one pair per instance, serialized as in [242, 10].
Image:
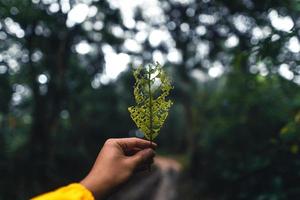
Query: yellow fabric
[74, 191]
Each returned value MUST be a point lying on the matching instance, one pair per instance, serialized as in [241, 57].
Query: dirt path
[169, 173]
[159, 184]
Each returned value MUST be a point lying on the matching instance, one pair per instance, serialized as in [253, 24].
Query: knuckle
[140, 156]
[151, 152]
[128, 165]
[136, 143]
[109, 141]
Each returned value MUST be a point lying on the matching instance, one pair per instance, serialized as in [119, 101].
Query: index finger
[130, 143]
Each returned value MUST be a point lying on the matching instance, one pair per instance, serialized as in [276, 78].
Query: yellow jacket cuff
[74, 191]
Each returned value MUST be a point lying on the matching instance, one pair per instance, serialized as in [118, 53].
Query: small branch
[150, 104]
[150, 109]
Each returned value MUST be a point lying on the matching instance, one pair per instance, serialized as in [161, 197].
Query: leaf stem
[150, 109]
[150, 104]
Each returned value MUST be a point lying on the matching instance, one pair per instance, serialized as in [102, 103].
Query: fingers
[141, 158]
[131, 143]
[131, 152]
[144, 166]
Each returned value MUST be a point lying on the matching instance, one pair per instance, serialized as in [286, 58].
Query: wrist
[96, 187]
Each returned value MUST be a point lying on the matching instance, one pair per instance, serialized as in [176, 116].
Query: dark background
[235, 122]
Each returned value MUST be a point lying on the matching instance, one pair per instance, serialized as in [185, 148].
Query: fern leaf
[151, 88]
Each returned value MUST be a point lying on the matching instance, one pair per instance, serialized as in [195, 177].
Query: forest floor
[158, 184]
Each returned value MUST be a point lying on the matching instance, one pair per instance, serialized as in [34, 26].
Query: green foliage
[151, 88]
[290, 134]
[247, 148]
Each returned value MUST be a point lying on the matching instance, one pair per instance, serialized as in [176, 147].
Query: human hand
[116, 162]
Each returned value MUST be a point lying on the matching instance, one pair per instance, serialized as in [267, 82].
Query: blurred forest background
[65, 85]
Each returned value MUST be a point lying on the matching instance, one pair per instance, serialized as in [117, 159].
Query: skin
[117, 161]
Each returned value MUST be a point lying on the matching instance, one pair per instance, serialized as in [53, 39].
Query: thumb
[142, 157]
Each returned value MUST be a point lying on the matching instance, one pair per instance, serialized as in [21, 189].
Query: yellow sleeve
[74, 191]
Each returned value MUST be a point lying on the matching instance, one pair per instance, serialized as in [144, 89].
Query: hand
[116, 162]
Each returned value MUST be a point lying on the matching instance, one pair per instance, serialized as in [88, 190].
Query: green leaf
[151, 88]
